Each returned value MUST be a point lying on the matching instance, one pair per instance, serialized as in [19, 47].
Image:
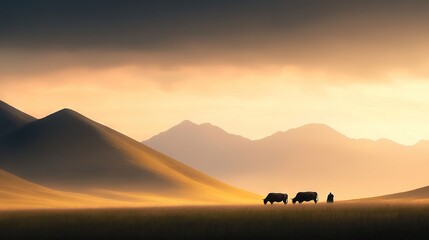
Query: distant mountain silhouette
[68, 151]
[311, 157]
[12, 119]
[206, 147]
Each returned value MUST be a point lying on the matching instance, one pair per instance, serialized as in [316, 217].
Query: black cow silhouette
[305, 197]
[276, 197]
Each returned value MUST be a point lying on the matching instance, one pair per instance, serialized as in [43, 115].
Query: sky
[250, 67]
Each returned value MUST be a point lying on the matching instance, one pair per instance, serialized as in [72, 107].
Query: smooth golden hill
[415, 196]
[419, 194]
[70, 152]
[16, 193]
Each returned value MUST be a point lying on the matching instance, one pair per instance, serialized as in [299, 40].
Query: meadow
[306, 221]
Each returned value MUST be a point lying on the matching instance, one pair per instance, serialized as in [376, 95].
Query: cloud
[344, 39]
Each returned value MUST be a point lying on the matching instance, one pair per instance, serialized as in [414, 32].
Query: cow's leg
[271, 202]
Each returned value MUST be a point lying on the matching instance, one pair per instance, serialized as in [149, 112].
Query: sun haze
[253, 68]
[242, 79]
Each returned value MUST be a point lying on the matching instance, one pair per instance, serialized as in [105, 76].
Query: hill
[12, 119]
[312, 157]
[18, 193]
[416, 194]
[70, 152]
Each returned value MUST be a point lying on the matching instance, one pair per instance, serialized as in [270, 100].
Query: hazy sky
[250, 67]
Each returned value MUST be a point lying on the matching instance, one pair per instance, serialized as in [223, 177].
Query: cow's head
[294, 200]
[265, 201]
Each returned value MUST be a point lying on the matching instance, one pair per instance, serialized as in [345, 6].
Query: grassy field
[306, 221]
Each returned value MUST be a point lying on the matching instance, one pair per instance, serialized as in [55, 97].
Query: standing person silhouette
[330, 198]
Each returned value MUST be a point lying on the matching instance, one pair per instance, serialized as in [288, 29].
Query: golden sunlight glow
[255, 103]
[280, 96]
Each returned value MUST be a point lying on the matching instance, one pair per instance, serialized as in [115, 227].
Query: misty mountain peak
[187, 123]
[2, 104]
[315, 129]
[63, 124]
[12, 118]
[312, 132]
[68, 115]
[69, 112]
[422, 143]
[8, 111]
[316, 126]
[190, 130]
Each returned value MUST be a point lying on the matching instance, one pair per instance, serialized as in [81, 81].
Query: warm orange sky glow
[253, 102]
[253, 69]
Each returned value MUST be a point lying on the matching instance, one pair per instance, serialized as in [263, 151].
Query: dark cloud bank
[301, 32]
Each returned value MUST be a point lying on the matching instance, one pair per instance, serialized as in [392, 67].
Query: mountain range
[311, 157]
[68, 152]
[68, 160]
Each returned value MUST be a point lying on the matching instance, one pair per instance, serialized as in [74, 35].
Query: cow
[305, 196]
[276, 197]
